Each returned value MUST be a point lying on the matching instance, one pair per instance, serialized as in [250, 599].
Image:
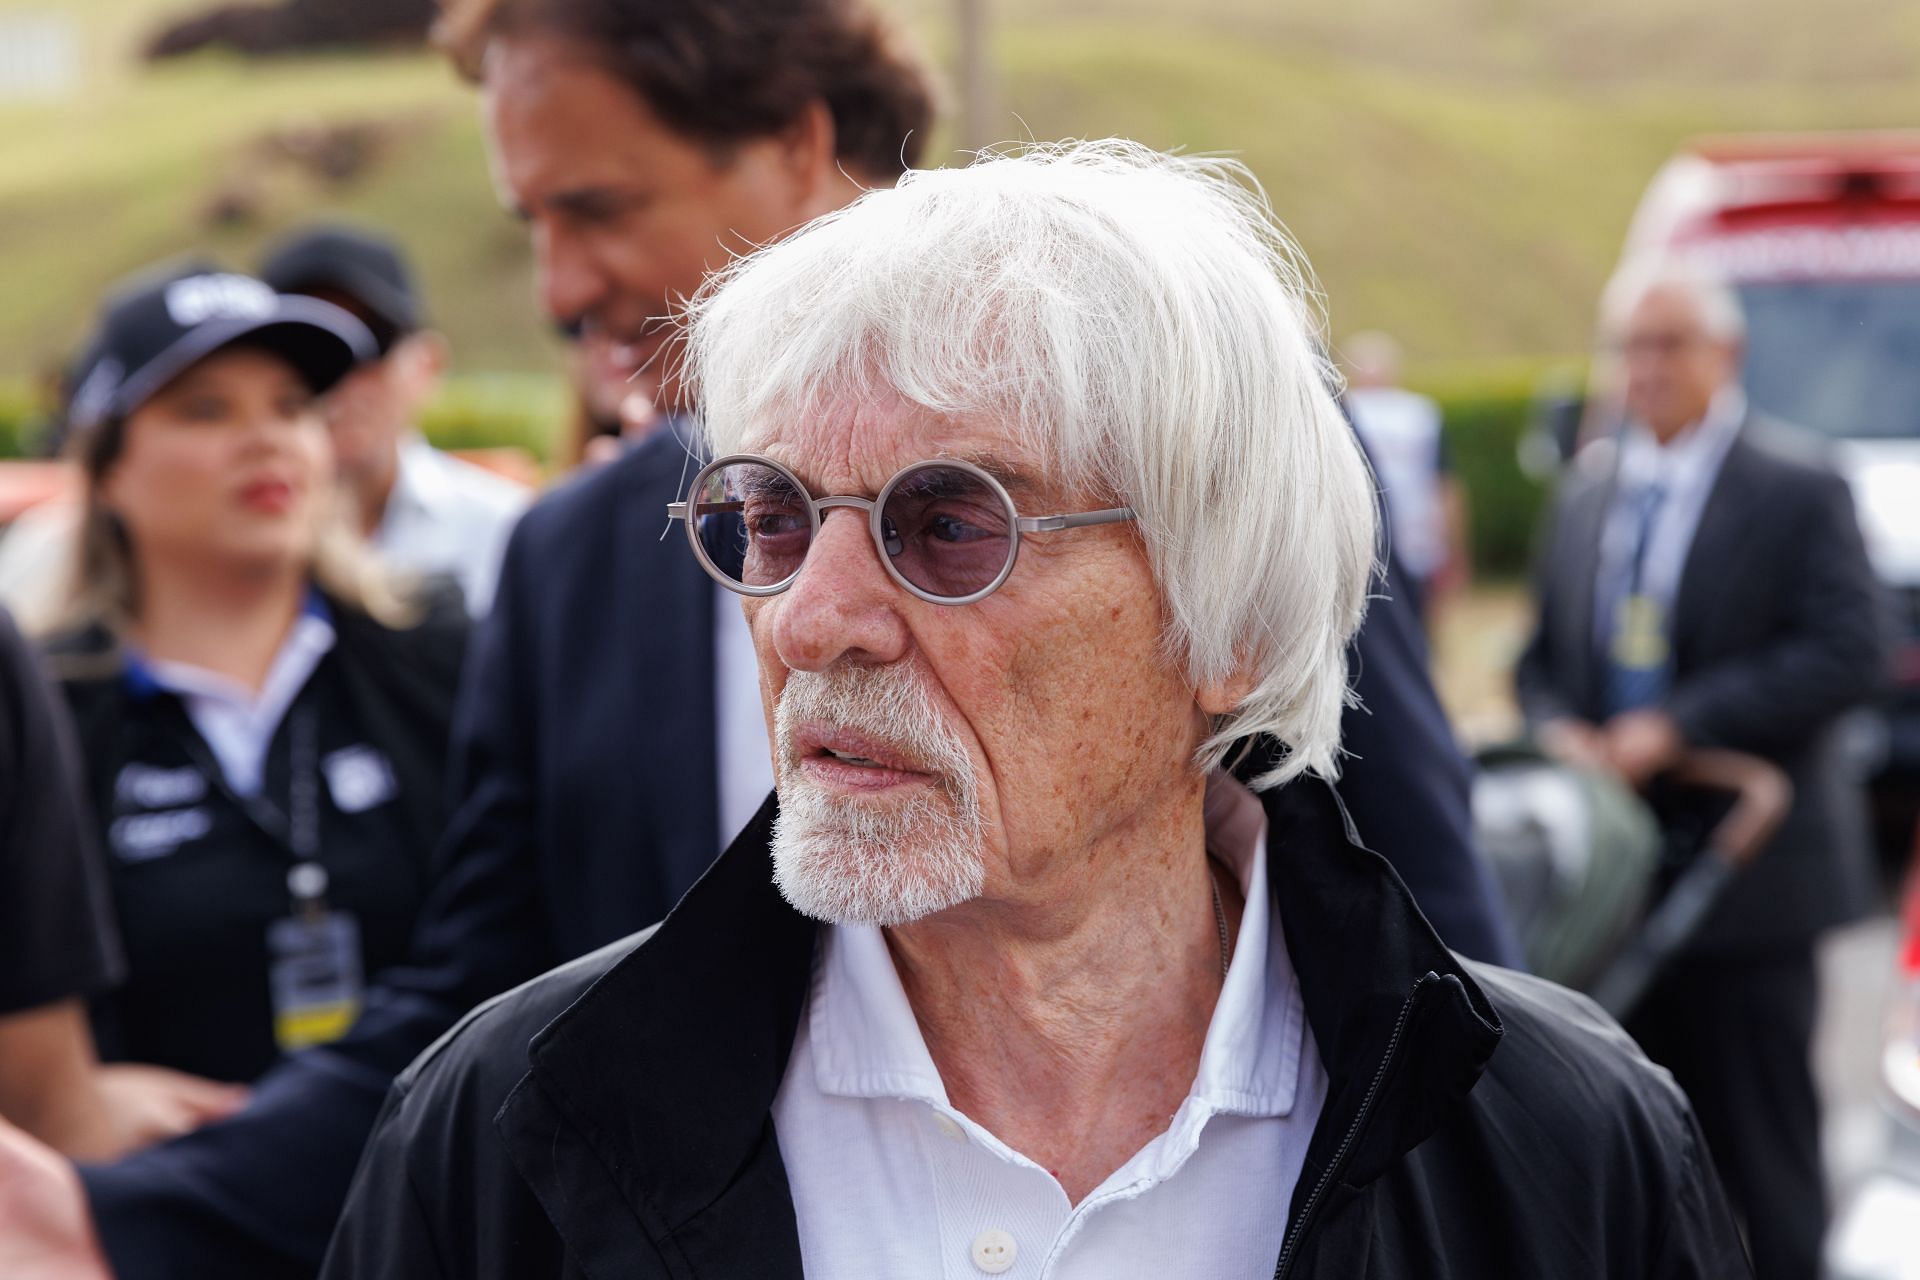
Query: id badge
[1640, 637]
[315, 977]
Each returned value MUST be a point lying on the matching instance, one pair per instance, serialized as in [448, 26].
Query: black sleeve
[1408, 787]
[1699, 1240]
[1830, 656]
[230, 1190]
[57, 933]
[386, 1229]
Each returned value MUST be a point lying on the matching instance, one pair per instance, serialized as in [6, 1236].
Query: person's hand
[46, 1232]
[1573, 741]
[1640, 744]
[140, 1105]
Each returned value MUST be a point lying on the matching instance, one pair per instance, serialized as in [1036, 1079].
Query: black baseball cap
[367, 270]
[161, 323]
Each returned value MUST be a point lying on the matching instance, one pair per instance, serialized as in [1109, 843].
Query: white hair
[1145, 325]
[1721, 316]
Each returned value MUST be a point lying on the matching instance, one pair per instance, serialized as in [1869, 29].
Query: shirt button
[948, 1126]
[994, 1251]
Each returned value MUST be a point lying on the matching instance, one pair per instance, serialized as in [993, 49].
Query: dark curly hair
[724, 71]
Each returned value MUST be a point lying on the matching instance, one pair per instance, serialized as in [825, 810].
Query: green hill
[1459, 171]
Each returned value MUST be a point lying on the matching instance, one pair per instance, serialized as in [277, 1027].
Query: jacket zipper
[1339, 1160]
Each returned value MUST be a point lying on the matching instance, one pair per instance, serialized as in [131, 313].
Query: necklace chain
[1220, 920]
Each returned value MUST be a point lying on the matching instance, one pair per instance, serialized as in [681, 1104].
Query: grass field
[1459, 171]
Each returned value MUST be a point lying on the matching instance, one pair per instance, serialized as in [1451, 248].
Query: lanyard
[298, 827]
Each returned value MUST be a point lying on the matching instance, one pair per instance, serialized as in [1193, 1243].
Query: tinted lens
[753, 522]
[947, 531]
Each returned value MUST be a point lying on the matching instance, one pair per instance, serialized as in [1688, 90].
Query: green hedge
[1486, 415]
[494, 410]
[19, 420]
[1483, 436]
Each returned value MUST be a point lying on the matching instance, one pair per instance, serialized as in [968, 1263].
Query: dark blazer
[1776, 630]
[584, 767]
[614, 1118]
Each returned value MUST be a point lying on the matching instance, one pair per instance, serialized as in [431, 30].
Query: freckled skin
[1067, 1005]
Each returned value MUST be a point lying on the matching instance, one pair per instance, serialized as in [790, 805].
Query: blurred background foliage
[1460, 172]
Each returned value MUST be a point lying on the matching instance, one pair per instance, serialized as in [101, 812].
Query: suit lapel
[667, 611]
[1721, 527]
[1579, 571]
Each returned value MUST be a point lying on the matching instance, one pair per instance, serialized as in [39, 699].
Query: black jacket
[614, 1118]
[193, 912]
[1776, 629]
[583, 778]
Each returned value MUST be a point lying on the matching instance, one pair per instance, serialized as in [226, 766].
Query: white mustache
[889, 704]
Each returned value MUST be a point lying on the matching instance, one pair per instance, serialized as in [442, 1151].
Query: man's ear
[807, 151]
[426, 357]
[1223, 697]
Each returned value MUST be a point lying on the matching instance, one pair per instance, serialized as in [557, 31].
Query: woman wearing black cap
[263, 716]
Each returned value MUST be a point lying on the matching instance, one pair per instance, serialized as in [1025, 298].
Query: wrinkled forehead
[854, 443]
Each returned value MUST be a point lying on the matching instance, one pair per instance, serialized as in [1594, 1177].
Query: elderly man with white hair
[1704, 584]
[1051, 954]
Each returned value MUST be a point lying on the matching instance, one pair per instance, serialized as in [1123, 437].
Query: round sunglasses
[946, 530]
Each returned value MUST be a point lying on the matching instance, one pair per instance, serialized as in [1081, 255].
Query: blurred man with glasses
[1704, 584]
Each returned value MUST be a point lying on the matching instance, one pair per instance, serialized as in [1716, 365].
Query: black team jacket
[614, 1118]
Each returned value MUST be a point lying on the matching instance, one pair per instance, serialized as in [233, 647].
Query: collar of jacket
[649, 1100]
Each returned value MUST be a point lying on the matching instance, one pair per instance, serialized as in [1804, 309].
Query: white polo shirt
[446, 516]
[238, 723]
[889, 1179]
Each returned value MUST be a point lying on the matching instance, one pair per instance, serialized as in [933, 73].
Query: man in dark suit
[600, 758]
[1704, 584]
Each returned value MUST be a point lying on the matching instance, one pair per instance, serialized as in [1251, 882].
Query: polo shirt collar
[310, 638]
[236, 722]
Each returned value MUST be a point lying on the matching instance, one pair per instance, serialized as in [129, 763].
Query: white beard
[849, 860]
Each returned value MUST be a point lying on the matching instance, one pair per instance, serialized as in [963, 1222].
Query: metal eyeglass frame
[817, 507]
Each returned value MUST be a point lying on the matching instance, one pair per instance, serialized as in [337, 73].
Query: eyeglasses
[946, 530]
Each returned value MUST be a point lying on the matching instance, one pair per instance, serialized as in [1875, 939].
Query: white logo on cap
[198, 299]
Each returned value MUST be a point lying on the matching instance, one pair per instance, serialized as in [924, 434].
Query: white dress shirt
[1401, 430]
[740, 726]
[449, 517]
[890, 1180]
[1685, 469]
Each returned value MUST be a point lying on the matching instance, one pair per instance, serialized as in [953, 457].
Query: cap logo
[198, 299]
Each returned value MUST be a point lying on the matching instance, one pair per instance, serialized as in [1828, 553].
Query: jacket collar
[1383, 993]
[665, 1071]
